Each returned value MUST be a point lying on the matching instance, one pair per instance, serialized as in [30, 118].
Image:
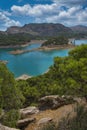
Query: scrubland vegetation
[68, 76]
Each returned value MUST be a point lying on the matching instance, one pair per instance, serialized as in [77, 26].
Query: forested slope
[68, 76]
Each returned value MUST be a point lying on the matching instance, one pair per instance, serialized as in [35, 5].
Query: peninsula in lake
[55, 43]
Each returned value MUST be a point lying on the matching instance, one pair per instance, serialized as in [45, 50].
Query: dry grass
[56, 115]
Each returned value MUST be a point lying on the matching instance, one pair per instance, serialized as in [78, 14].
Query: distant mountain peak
[40, 29]
[79, 28]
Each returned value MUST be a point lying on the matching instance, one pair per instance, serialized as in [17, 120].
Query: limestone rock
[54, 101]
[28, 111]
[23, 123]
[2, 127]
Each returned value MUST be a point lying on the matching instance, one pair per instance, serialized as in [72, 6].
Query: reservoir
[32, 63]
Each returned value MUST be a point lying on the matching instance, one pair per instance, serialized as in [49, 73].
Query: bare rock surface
[2, 127]
[65, 105]
[23, 123]
[54, 101]
[49, 116]
[28, 111]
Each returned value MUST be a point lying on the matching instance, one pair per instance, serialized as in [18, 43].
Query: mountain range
[79, 28]
[45, 29]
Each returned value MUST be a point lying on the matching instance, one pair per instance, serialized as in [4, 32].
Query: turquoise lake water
[32, 63]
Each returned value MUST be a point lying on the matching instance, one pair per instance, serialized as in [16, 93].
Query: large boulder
[28, 111]
[2, 127]
[54, 101]
[23, 123]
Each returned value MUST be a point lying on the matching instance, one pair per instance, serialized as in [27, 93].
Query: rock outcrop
[23, 123]
[2, 127]
[28, 111]
[33, 118]
[54, 101]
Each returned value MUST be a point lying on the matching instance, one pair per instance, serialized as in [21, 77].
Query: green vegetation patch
[60, 40]
[68, 76]
[14, 39]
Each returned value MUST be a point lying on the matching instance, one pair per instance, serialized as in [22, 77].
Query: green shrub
[10, 118]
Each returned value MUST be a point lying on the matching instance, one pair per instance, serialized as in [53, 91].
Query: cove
[32, 63]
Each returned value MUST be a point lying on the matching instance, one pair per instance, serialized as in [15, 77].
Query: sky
[21, 12]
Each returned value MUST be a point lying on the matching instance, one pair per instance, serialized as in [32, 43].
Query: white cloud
[68, 12]
[21, 10]
[6, 13]
[71, 2]
[73, 16]
[53, 13]
[69, 17]
[36, 10]
[5, 21]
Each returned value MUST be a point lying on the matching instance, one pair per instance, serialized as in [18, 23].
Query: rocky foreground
[2, 127]
[50, 109]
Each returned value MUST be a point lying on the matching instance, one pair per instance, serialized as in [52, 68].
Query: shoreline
[44, 48]
[23, 77]
[23, 45]
[58, 47]
[11, 46]
[29, 43]
[27, 76]
[4, 61]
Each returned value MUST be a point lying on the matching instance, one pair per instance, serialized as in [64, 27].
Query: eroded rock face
[23, 123]
[2, 127]
[54, 101]
[28, 111]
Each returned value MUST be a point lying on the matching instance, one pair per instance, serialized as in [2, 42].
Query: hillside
[21, 35]
[44, 29]
[66, 79]
[79, 28]
[16, 40]
[60, 40]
